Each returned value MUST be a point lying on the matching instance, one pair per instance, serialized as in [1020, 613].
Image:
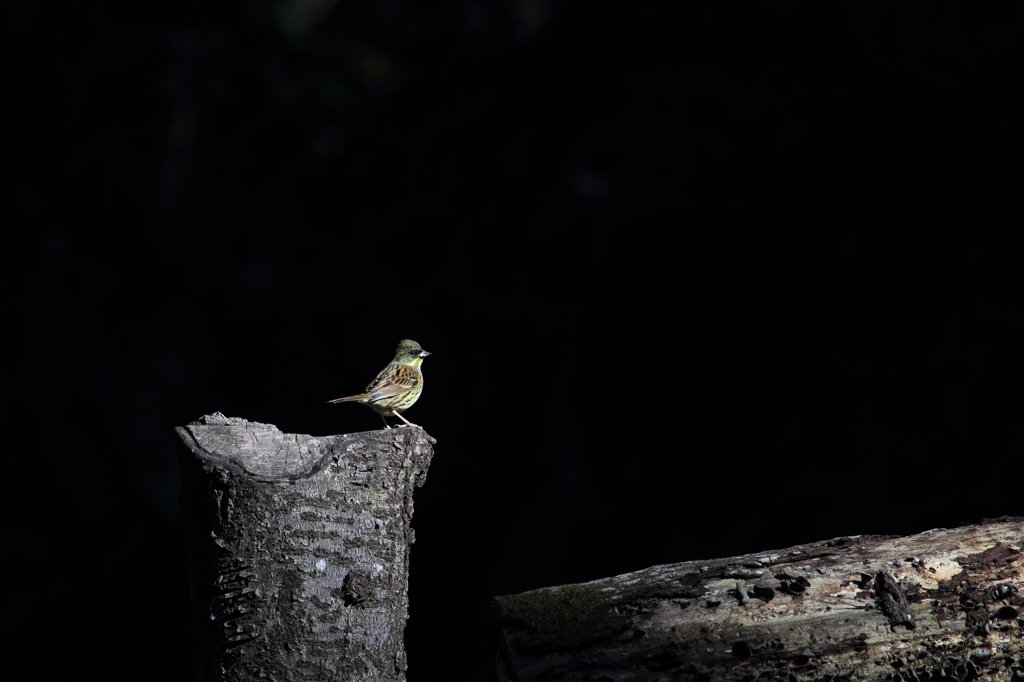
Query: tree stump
[943, 605]
[299, 550]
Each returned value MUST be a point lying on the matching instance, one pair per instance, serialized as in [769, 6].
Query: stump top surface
[264, 451]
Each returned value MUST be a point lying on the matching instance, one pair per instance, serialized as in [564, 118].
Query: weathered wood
[942, 605]
[299, 550]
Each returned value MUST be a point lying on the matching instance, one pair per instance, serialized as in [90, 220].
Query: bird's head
[410, 353]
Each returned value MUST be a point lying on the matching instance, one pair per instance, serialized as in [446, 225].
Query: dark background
[697, 282]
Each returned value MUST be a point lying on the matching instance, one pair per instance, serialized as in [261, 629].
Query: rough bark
[299, 550]
[942, 605]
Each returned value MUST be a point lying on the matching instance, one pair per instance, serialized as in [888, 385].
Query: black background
[697, 280]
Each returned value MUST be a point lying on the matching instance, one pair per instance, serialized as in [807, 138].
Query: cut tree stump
[299, 550]
[943, 605]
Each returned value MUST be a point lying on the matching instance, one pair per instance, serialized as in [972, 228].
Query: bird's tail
[350, 398]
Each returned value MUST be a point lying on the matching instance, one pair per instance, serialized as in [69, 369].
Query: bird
[397, 386]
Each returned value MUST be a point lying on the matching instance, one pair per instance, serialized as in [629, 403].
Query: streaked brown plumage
[397, 386]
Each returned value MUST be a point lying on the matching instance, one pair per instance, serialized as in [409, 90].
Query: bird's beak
[424, 353]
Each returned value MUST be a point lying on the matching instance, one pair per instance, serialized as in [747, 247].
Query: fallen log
[942, 605]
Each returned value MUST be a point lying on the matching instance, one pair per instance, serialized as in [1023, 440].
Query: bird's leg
[385, 422]
[409, 423]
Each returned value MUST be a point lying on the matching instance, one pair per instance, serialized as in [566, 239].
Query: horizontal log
[941, 605]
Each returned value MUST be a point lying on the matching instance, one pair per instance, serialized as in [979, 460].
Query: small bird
[397, 386]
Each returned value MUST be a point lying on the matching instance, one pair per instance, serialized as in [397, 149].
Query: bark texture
[299, 550]
[942, 605]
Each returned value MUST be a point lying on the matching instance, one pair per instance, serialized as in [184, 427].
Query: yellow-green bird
[397, 386]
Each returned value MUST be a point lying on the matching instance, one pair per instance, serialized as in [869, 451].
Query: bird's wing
[393, 380]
